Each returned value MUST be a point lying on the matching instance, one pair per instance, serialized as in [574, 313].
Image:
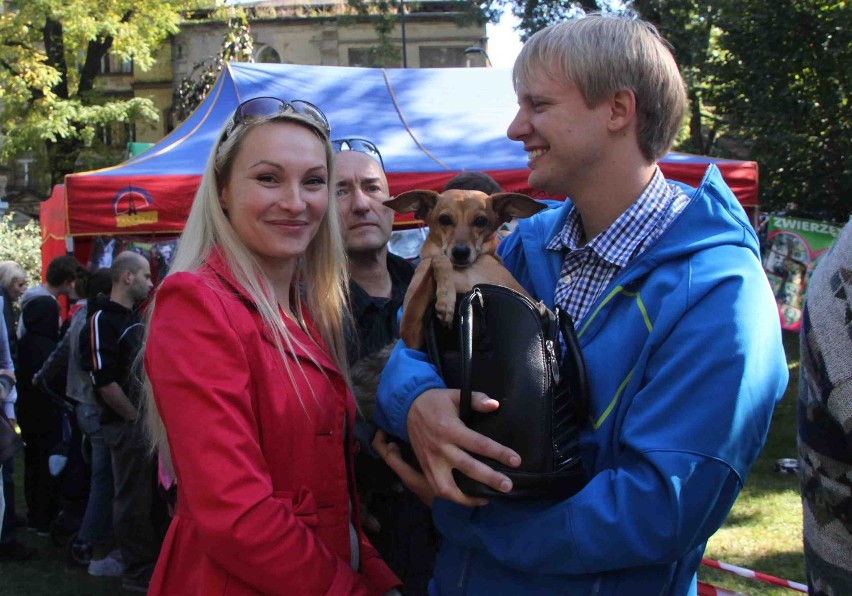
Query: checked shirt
[587, 270]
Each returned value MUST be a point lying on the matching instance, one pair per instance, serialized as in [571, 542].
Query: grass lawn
[762, 533]
[48, 573]
[764, 530]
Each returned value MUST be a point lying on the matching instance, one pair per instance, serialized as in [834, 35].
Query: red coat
[264, 479]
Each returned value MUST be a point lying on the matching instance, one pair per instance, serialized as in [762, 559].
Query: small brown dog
[459, 251]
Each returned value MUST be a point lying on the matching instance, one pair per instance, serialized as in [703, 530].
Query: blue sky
[503, 42]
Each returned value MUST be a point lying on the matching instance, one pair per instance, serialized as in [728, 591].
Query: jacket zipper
[464, 569]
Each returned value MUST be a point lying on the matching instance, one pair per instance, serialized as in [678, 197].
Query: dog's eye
[445, 220]
[480, 221]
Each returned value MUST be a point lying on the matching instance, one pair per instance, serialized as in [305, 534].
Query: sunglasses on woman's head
[265, 107]
[359, 145]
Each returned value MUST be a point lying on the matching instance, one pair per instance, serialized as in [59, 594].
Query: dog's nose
[460, 253]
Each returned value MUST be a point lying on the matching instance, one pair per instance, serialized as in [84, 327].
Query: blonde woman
[246, 374]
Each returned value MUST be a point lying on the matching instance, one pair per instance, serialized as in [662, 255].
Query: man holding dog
[675, 319]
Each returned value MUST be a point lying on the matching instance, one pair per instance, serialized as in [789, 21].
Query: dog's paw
[445, 309]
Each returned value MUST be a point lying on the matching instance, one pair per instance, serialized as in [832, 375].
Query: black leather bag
[506, 346]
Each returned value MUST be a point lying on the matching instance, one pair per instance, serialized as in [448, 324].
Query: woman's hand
[392, 456]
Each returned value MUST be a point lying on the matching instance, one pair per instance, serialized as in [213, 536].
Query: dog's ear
[421, 202]
[512, 204]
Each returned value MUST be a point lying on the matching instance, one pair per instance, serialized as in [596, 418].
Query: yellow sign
[136, 219]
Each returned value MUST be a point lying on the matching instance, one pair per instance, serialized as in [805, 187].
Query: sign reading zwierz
[793, 248]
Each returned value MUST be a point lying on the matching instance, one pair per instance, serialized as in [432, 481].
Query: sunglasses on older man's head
[265, 107]
[359, 145]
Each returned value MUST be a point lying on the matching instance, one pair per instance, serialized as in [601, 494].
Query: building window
[23, 172]
[117, 134]
[267, 55]
[374, 58]
[114, 65]
[442, 57]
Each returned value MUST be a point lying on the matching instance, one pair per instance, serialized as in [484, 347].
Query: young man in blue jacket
[675, 319]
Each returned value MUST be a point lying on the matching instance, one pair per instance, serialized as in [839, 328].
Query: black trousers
[41, 490]
[133, 477]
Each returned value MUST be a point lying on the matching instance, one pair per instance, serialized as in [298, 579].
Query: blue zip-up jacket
[685, 363]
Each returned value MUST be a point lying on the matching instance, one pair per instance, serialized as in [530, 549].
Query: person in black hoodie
[93, 542]
[114, 338]
[38, 414]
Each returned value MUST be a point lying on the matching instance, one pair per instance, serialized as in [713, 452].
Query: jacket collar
[307, 343]
[712, 217]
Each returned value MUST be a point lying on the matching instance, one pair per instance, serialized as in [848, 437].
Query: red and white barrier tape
[710, 590]
[763, 577]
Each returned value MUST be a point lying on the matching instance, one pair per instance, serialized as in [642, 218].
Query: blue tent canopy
[429, 124]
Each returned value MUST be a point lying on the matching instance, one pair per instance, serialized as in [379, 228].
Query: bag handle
[466, 342]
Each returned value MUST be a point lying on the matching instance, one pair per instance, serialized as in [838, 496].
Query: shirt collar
[618, 243]
[360, 300]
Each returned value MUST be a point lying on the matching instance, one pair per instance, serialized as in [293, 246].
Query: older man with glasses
[397, 523]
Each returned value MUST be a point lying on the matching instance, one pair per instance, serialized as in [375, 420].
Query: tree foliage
[385, 18]
[767, 81]
[783, 84]
[237, 46]
[21, 244]
[538, 14]
[51, 52]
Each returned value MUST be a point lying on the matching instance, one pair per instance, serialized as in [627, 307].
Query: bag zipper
[552, 361]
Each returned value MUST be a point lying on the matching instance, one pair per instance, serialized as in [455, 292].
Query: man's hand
[441, 442]
[411, 478]
[117, 401]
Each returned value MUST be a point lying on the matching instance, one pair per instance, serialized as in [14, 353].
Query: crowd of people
[242, 479]
[85, 459]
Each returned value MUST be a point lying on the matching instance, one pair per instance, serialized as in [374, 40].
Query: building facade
[429, 37]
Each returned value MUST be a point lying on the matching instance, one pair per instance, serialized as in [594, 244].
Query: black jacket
[375, 320]
[406, 538]
[109, 343]
[36, 409]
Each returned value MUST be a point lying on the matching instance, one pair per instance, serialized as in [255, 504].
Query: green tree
[51, 53]
[237, 46]
[686, 24]
[689, 26]
[538, 14]
[783, 83]
[21, 244]
[767, 81]
[385, 16]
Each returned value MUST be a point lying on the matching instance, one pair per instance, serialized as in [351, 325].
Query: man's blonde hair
[320, 278]
[601, 55]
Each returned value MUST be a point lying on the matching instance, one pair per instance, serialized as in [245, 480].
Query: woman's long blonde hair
[320, 279]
